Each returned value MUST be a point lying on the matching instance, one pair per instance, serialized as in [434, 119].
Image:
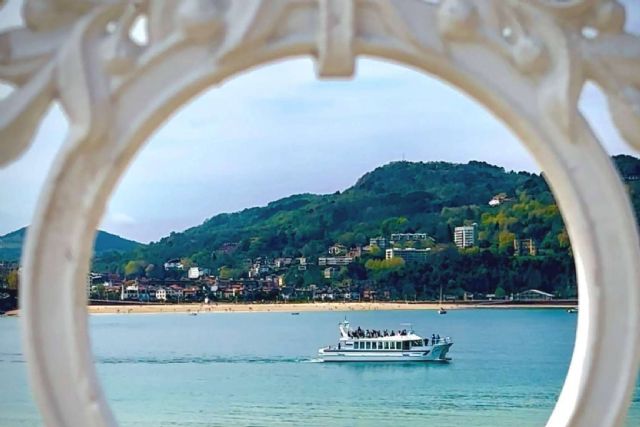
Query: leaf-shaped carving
[21, 113]
[82, 83]
[625, 112]
[613, 62]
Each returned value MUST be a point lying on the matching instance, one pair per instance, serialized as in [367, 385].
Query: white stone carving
[526, 61]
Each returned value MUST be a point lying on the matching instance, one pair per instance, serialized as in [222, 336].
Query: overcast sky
[278, 131]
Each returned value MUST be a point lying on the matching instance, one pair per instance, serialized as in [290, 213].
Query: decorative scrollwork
[544, 38]
[541, 38]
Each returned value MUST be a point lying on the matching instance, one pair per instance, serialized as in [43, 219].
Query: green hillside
[11, 244]
[400, 197]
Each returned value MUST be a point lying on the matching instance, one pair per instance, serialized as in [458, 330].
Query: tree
[500, 293]
[100, 290]
[505, 241]
[149, 269]
[13, 279]
[227, 272]
[376, 252]
[134, 269]
[312, 276]
[186, 263]
[408, 291]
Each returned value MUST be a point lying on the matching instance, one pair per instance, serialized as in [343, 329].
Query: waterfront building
[533, 295]
[524, 247]
[130, 292]
[92, 278]
[465, 236]
[161, 294]
[408, 254]
[174, 292]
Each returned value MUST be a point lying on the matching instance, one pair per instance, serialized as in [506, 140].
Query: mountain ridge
[11, 244]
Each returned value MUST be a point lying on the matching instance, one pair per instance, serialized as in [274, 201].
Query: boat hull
[436, 354]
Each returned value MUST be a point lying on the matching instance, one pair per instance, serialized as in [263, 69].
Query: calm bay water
[258, 369]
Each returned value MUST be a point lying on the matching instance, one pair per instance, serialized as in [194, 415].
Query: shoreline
[301, 307]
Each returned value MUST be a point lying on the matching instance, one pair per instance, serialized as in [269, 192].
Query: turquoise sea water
[258, 369]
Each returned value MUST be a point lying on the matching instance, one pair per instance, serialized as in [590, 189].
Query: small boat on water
[295, 313]
[572, 310]
[375, 346]
[442, 310]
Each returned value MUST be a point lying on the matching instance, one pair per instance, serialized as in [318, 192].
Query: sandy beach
[301, 307]
[297, 307]
[248, 308]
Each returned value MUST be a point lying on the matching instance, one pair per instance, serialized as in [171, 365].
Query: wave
[200, 360]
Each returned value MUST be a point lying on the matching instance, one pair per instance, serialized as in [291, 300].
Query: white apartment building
[465, 236]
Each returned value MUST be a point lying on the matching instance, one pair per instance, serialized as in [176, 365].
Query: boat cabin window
[398, 345]
[368, 344]
[379, 346]
[356, 345]
[386, 345]
[405, 345]
[416, 343]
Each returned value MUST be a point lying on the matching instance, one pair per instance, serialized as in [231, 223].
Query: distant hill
[431, 197]
[11, 244]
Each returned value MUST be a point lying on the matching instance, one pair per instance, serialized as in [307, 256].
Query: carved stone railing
[525, 61]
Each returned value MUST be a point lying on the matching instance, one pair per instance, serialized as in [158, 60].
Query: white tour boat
[383, 346]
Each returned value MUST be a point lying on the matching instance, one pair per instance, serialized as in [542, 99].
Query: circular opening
[218, 349]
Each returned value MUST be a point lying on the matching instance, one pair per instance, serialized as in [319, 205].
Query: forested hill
[431, 198]
[11, 244]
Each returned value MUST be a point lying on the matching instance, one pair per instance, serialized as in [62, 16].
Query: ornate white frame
[526, 61]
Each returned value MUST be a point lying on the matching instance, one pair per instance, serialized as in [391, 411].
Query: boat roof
[396, 337]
